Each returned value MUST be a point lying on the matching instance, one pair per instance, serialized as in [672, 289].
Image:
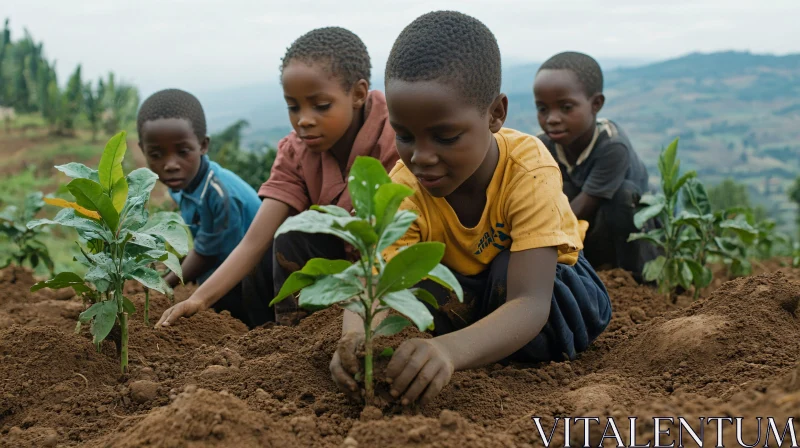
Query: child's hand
[419, 365]
[187, 308]
[345, 365]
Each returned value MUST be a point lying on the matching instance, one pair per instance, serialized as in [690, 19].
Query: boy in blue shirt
[216, 204]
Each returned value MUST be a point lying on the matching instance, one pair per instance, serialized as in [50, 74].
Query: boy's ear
[204, 145]
[498, 112]
[360, 90]
[598, 100]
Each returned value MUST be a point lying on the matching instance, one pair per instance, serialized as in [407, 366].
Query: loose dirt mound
[208, 382]
[201, 418]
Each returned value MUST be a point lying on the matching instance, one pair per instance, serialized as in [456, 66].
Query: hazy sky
[214, 44]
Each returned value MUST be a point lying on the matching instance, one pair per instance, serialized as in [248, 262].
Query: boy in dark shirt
[602, 175]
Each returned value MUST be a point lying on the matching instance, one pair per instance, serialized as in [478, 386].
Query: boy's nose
[553, 118]
[423, 157]
[172, 165]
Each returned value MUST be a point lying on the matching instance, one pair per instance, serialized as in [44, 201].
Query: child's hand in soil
[344, 365]
[187, 308]
[419, 367]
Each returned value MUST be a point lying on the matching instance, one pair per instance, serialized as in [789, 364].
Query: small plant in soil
[689, 238]
[118, 240]
[29, 246]
[370, 285]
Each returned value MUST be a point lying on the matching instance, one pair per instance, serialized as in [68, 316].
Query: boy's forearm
[498, 335]
[247, 254]
[193, 266]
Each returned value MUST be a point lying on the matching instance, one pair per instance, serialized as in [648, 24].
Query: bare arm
[585, 206]
[193, 266]
[530, 286]
[239, 263]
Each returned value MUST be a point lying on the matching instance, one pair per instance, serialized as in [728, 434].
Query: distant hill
[737, 114]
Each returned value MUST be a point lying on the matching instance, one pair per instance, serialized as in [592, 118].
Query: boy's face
[320, 109]
[441, 138]
[565, 112]
[172, 150]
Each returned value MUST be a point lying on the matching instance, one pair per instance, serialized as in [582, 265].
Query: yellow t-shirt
[525, 209]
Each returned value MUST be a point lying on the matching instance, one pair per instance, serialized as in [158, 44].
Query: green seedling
[118, 240]
[370, 285]
[690, 238]
[29, 246]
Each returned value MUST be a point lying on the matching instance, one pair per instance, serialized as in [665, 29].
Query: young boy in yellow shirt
[494, 197]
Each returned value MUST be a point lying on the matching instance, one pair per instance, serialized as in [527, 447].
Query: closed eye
[447, 141]
[323, 107]
[403, 138]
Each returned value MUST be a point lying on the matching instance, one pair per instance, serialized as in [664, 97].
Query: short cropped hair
[343, 51]
[452, 47]
[584, 66]
[173, 103]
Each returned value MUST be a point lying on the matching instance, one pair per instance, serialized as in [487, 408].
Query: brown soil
[209, 382]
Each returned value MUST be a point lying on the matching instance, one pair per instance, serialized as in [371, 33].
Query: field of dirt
[208, 382]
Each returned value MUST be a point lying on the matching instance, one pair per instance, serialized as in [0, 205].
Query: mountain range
[737, 115]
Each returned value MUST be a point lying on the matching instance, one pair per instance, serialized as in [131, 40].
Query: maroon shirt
[302, 178]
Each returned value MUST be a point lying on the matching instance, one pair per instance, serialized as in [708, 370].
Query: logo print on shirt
[490, 238]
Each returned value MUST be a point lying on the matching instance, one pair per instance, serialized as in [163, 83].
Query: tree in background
[120, 102]
[729, 194]
[93, 106]
[72, 102]
[252, 166]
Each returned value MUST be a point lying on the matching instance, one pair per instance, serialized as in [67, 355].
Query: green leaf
[149, 278]
[355, 306]
[315, 222]
[387, 352]
[666, 162]
[387, 201]
[171, 232]
[128, 306]
[443, 276]
[119, 194]
[654, 236]
[684, 274]
[425, 295]
[366, 177]
[741, 228]
[79, 171]
[332, 209]
[363, 231]
[695, 198]
[410, 266]
[62, 280]
[141, 182]
[314, 268]
[174, 264]
[144, 240]
[654, 268]
[396, 229]
[104, 320]
[391, 326]
[327, 290]
[90, 195]
[406, 304]
[683, 179]
[33, 203]
[701, 275]
[92, 311]
[110, 168]
[647, 213]
[68, 218]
